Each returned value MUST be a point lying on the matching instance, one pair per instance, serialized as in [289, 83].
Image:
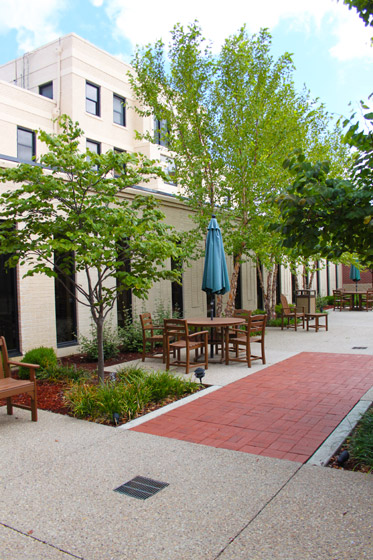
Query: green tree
[364, 9]
[232, 119]
[328, 214]
[78, 208]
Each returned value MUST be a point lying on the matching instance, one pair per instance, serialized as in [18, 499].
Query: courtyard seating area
[232, 493]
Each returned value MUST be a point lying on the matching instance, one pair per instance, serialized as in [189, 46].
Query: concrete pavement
[58, 478]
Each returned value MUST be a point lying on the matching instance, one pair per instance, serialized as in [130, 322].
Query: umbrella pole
[212, 330]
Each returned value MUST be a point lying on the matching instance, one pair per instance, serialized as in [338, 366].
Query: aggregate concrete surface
[58, 478]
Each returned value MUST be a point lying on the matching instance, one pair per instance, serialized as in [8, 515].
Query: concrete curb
[323, 455]
[167, 408]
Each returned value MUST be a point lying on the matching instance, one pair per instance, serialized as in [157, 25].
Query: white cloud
[146, 21]
[353, 39]
[34, 21]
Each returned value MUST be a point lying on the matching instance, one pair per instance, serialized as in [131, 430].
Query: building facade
[71, 76]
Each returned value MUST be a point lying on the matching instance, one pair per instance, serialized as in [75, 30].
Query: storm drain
[359, 347]
[141, 487]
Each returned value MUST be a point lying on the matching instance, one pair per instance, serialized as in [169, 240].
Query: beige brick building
[74, 77]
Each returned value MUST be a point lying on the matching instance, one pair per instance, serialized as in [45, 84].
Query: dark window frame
[98, 152]
[20, 145]
[119, 151]
[159, 137]
[95, 101]
[10, 312]
[64, 300]
[44, 87]
[121, 112]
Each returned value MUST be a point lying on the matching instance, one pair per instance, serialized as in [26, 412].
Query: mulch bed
[81, 361]
[50, 393]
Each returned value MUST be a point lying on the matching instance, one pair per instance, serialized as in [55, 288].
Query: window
[46, 90]
[177, 290]
[65, 303]
[92, 99]
[161, 132]
[170, 168]
[9, 305]
[119, 110]
[94, 147]
[119, 151]
[25, 144]
[124, 294]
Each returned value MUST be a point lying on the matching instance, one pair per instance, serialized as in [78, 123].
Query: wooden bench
[317, 317]
[9, 387]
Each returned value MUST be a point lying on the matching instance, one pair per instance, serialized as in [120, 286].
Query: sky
[331, 47]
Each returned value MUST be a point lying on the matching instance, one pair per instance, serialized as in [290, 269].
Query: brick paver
[286, 410]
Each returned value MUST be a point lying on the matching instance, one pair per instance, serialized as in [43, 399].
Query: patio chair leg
[9, 406]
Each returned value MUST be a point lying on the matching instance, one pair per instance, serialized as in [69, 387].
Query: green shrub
[112, 343]
[361, 441]
[64, 373]
[44, 357]
[82, 399]
[130, 334]
[128, 396]
[130, 374]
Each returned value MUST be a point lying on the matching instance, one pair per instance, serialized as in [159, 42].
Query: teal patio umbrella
[355, 275]
[215, 273]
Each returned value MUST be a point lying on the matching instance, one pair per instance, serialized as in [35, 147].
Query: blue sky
[330, 45]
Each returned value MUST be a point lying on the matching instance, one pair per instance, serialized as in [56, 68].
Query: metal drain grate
[359, 347]
[141, 487]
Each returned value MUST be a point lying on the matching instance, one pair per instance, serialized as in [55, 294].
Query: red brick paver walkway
[286, 410]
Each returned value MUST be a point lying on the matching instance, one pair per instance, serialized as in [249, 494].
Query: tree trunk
[219, 305]
[100, 348]
[269, 290]
[229, 308]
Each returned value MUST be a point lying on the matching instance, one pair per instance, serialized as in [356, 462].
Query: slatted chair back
[285, 306]
[369, 299]
[288, 313]
[254, 332]
[242, 314]
[4, 367]
[150, 335]
[10, 387]
[178, 339]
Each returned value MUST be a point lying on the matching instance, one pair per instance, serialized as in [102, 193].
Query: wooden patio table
[219, 323]
[352, 294]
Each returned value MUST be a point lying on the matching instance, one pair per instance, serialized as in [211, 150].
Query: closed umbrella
[355, 275]
[215, 273]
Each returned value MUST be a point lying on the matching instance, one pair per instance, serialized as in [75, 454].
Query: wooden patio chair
[10, 387]
[341, 300]
[288, 313]
[177, 338]
[148, 336]
[367, 300]
[240, 314]
[251, 332]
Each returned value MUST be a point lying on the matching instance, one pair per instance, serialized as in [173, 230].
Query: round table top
[215, 322]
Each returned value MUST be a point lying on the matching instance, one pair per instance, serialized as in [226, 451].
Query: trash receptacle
[306, 299]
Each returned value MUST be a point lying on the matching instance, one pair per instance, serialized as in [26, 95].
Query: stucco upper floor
[84, 82]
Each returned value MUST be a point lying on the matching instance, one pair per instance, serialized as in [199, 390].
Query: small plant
[130, 334]
[128, 396]
[44, 357]
[112, 343]
[361, 441]
[64, 373]
[321, 303]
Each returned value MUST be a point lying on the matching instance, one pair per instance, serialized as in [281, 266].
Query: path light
[199, 373]
[343, 457]
[116, 418]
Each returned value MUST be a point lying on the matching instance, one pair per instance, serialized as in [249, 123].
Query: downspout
[57, 110]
